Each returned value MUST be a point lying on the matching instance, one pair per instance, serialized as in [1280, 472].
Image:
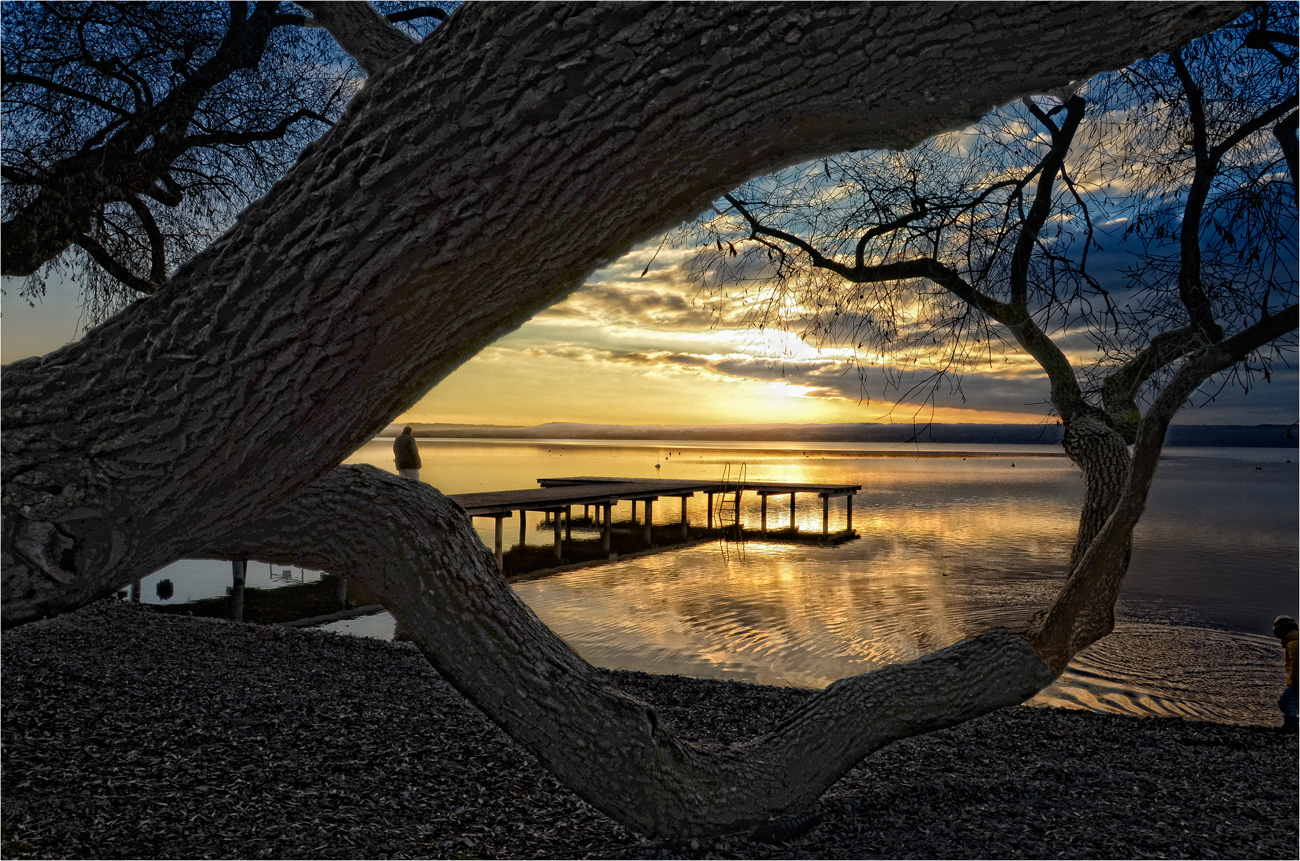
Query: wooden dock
[558, 496]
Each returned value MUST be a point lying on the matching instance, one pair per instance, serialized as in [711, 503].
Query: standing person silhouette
[1286, 630]
[407, 455]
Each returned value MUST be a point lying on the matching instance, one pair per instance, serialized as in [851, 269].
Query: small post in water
[239, 573]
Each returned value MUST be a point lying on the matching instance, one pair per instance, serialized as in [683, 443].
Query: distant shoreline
[1237, 436]
[752, 447]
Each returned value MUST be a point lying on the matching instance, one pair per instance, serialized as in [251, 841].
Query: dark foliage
[134, 133]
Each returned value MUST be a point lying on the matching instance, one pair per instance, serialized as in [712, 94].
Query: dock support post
[586, 513]
[568, 523]
[710, 510]
[792, 521]
[523, 527]
[239, 573]
[342, 594]
[501, 564]
[848, 513]
[606, 506]
[826, 517]
[136, 588]
[763, 528]
[649, 523]
[555, 528]
[685, 533]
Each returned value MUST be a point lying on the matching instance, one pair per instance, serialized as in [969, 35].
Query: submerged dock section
[557, 497]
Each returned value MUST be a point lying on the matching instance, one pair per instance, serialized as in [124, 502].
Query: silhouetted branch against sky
[1141, 202]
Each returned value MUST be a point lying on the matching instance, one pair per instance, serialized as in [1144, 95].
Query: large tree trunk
[476, 181]
[1101, 453]
[1084, 610]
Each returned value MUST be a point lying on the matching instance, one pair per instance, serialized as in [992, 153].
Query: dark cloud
[670, 307]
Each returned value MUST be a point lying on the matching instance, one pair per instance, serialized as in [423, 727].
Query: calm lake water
[949, 547]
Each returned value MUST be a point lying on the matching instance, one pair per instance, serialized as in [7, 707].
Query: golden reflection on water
[948, 548]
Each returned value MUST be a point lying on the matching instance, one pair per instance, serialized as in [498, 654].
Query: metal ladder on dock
[728, 507]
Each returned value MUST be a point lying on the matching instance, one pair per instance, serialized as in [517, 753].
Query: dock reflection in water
[949, 548]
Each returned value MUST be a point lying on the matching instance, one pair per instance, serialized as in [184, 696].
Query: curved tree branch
[358, 282]
[417, 552]
[212, 139]
[1049, 167]
[114, 267]
[361, 31]
[1191, 289]
[157, 249]
[1120, 389]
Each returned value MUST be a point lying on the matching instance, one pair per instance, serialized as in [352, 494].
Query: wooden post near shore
[685, 532]
[848, 512]
[762, 529]
[606, 529]
[792, 520]
[555, 527]
[239, 574]
[826, 517]
[523, 527]
[501, 562]
[710, 510]
[649, 523]
[568, 523]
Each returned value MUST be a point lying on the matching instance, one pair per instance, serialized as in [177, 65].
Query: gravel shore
[130, 734]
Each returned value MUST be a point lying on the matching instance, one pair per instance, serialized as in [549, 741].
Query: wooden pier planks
[560, 495]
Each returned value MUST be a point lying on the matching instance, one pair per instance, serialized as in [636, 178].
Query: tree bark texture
[476, 181]
[611, 749]
[1100, 451]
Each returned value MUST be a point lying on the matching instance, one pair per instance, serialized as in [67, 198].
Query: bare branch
[1050, 166]
[244, 138]
[111, 265]
[1285, 132]
[1119, 392]
[157, 249]
[361, 31]
[14, 78]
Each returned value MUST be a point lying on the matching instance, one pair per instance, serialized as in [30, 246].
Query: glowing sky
[627, 349]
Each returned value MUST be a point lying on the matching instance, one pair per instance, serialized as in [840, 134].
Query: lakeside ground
[133, 734]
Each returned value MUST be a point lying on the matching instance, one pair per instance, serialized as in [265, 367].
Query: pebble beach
[132, 734]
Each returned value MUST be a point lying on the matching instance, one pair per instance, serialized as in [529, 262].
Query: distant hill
[1269, 436]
